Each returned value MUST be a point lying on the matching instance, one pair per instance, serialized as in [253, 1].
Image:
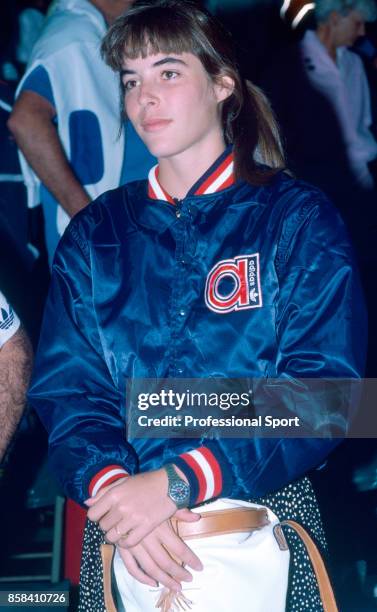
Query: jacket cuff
[207, 471]
[106, 476]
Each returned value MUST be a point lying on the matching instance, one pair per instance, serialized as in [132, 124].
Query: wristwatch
[178, 489]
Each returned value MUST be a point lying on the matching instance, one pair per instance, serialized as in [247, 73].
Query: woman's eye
[129, 85]
[169, 74]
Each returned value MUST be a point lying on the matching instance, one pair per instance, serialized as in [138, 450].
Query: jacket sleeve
[320, 333]
[72, 389]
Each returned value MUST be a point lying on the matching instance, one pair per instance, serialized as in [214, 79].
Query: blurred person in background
[30, 23]
[320, 94]
[339, 75]
[66, 118]
[20, 25]
[8, 41]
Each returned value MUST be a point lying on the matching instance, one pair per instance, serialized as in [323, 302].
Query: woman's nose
[147, 94]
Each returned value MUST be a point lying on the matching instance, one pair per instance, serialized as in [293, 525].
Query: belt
[220, 522]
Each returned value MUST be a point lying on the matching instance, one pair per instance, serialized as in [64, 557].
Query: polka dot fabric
[296, 501]
[91, 580]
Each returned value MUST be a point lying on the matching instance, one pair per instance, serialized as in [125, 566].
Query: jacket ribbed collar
[219, 176]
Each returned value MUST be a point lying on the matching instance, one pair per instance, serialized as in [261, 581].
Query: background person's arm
[31, 123]
[15, 368]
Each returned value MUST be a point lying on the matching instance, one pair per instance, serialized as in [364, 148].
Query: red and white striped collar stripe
[155, 190]
[219, 176]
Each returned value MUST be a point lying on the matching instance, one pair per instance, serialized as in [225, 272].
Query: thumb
[186, 515]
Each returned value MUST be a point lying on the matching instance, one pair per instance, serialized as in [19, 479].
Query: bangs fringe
[147, 33]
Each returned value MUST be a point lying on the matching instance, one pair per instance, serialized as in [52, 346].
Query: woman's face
[173, 104]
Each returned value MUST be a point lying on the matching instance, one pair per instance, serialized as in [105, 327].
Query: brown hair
[179, 26]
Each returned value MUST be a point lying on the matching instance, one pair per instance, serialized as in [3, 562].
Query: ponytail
[249, 124]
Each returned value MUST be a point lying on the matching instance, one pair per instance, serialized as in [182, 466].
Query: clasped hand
[134, 513]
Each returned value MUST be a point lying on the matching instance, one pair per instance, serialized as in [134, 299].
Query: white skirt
[243, 572]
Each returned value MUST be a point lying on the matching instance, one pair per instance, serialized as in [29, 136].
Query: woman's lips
[153, 125]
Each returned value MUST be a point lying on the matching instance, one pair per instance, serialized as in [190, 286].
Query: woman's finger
[111, 521]
[134, 570]
[176, 546]
[151, 569]
[100, 507]
[104, 502]
[165, 561]
[187, 515]
[136, 533]
[120, 531]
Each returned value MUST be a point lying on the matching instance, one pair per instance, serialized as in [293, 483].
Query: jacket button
[180, 371]
[182, 312]
[177, 213]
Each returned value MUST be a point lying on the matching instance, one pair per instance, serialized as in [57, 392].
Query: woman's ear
[224, 87]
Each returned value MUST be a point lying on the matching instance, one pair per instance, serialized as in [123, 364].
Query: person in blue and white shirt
[66, 119]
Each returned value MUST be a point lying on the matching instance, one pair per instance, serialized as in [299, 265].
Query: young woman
[220, 265]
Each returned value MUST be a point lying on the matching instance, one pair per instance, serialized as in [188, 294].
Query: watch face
[179, 491]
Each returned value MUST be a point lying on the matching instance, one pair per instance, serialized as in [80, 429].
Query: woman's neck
[177, 174]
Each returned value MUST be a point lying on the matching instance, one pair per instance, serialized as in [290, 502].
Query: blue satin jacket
[136, 292]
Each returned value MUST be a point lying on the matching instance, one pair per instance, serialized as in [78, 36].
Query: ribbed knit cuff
[106, 476]
[207, 471]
